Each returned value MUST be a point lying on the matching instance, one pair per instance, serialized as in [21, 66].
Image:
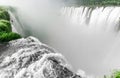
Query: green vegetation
[110, 2]
[115, 74]
[5, 37]
[5, 26]
[4, 14]
[6, 33]
[98, 2]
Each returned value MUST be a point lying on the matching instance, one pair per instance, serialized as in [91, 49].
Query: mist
[92, 47]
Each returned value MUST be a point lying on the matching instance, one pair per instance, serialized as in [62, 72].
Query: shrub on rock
[5, 26]
[117, 74]
[4, 14]
[6, 33]
[5, 37]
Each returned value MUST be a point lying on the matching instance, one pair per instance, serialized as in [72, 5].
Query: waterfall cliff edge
[29, 58]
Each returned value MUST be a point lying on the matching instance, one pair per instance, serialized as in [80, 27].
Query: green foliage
[4, 14]
[5, 26]
[5, 37]
[98, 2]
[6, 33]
[116, 74]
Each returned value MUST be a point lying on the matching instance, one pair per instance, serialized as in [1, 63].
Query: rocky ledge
[29, 58]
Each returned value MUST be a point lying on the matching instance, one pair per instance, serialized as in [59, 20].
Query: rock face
[29, 58]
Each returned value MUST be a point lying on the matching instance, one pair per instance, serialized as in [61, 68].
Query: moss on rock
[5, 26]
[4, 14]
[5, 37]
[6, 33]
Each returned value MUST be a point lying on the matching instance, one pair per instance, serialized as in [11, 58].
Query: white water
[94, 37]
[29, 58]
[98, 19]
[89, 38]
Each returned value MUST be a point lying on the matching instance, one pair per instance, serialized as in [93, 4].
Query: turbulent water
[95, 35]
[90, 35]
[97, 18]
[29, 58]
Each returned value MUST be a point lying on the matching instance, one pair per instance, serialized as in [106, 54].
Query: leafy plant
[6, 33]
[116, 74]
[5, 37]
[5, 26]
[4, 14]
[98, 2]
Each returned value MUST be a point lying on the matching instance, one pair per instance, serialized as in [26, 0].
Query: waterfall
[96, 18]
[17, 26]
[88, 37]
[95, 35]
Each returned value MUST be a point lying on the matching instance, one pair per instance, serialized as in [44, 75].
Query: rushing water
[29, 58]
[88, 37]
[94, 33]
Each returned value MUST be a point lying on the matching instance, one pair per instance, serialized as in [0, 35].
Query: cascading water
[29, 58]
[98, 19]
[88, 37]
[96, 33]
[91, 35]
